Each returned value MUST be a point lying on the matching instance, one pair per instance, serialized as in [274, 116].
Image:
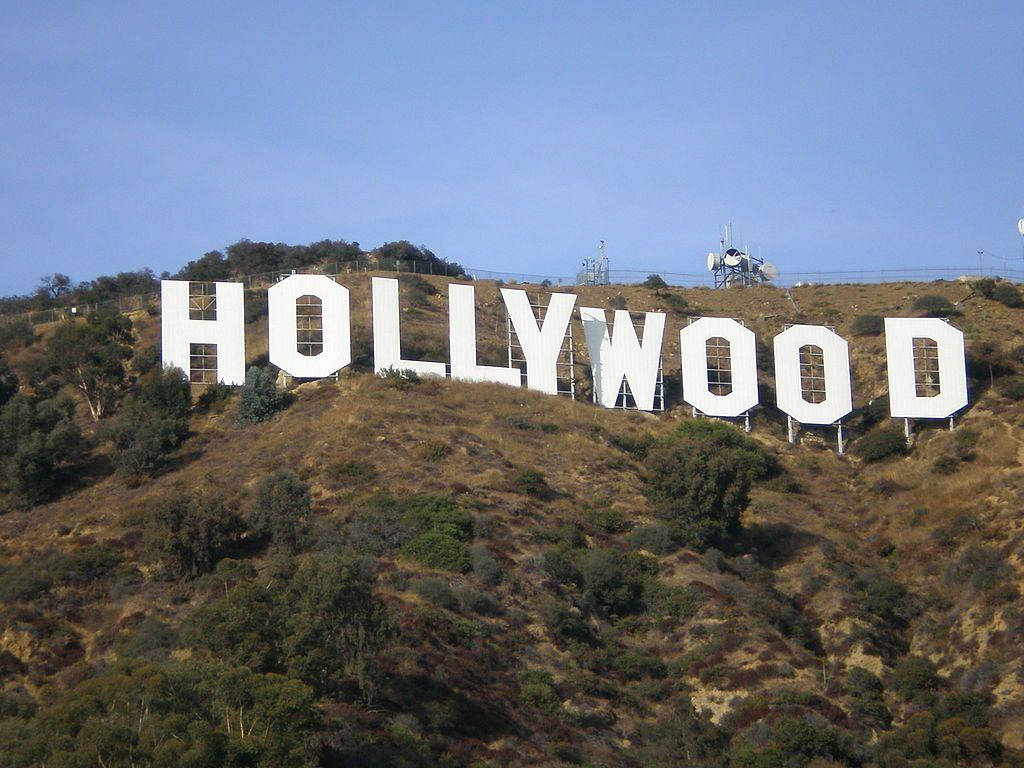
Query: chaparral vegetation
[407, 571]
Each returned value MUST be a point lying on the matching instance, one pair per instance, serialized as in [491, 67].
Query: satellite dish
[713, 261]
[732, 258]
[769, 271]
[1020, 226]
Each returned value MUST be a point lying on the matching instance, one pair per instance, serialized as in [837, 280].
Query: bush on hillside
[152, 424]
[39, 443]
[281, 511]
[90, 356]
[699, 479]
[1011, 387]
[881, 444]
[654, 281]
[436, 591]
[915, 678]
[260, 398]
[214, 397]
[189, 532]
[434, 549]
[866, 693]
[614, 580]
[16, 333]
[530, 482]
[178, 713]
[1008, 294]
[868, 325]
[931, 305]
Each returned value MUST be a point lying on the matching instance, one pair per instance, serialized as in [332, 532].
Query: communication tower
[594, 271]
[734, 266]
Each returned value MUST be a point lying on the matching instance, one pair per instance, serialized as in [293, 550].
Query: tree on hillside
[152, 423]
[91, 357]
[282, 507]
[38, 441]
[699, 480]
[54, 286]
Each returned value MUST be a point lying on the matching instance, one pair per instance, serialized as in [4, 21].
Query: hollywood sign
[925, 356]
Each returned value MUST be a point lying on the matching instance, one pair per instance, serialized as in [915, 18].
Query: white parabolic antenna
[732, 258]
[769, 270]
[1020, 226]
[713, 259]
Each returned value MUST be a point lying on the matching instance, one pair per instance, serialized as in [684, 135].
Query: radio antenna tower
[595, 271]
[734, 266]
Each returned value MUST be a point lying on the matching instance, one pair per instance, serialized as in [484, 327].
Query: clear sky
[511, 135]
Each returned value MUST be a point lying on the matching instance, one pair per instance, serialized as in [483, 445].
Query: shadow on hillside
[774, 544]
[432, 699]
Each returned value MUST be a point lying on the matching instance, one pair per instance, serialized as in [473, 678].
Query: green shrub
[1008, 294]
[614, 580]
[670, 605]
[376, 528]
[867, 695]
[256, 305]
[17, 333]
[439, 550]
[190, 531]
[915, 678]
[882, 596]
[476, 601]
[609, 520]
[39, 444]
[945, 464]
[654, 282]
[214, 397]
[486, 566]
[657, 538]
[560, 564]
[931, 305]
[321, 625]
[282, 510]
[1011, 387]
[881, 444]
[564, 620]
[868, 325]
[171, 714]
[260, 398]
[400, 380]
[637, 446]
[436, 514]
[789, 742]
[635, 663]
[152, 424]
[530, 482]
[436, 591]
[537, 688]
[699, 478]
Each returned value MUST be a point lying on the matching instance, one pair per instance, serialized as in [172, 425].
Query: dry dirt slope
[788, 607]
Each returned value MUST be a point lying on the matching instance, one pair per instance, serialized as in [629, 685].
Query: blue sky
[511, 136]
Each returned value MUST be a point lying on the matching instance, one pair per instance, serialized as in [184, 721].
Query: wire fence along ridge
[146, 301]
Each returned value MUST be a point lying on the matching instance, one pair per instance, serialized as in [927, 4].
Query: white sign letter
[387, 345]
[221, 337]
[541, 346]
[927, 368]
[329, 311]
[831, 382]
[462, 340]
[732, 370]
[621, 355]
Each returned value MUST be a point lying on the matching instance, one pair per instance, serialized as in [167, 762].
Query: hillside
[478, 580]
